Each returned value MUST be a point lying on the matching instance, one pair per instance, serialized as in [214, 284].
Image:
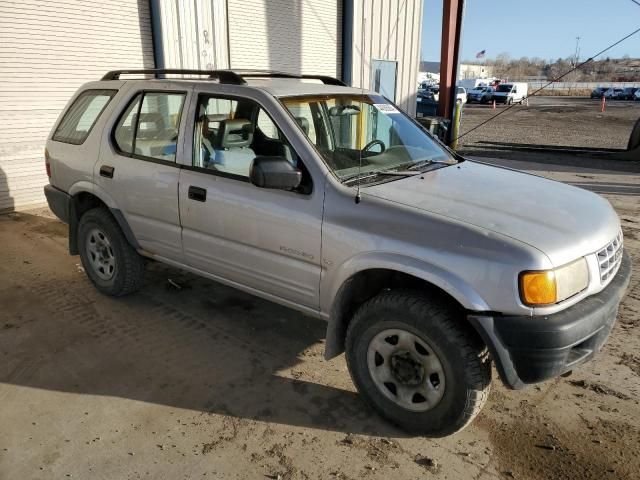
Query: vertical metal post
[347, 41]
[449, 54]
[455, 126]
[156, 33]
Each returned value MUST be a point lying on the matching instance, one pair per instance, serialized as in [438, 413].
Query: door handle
[198, 194]
[106, 171]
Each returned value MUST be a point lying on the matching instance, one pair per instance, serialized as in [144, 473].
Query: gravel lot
[208, 382]
[558, 121]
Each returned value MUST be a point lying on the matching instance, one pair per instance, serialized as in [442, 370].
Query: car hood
[562, 221]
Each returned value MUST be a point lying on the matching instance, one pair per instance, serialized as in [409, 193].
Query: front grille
[609, 259]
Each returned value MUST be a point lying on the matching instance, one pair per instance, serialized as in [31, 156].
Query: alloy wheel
[100, 254]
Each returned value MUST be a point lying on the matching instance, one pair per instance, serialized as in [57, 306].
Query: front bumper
[528, 350]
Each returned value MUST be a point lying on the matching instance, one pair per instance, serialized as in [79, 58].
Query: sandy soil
[207, 382]
[558, 121]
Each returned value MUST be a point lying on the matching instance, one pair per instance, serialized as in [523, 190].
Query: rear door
[138, 168]
[265, 240]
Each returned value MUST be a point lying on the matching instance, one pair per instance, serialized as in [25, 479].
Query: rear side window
[82, 115]
[149, 126]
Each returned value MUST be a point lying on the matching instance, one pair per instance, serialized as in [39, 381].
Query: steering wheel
[373, 143]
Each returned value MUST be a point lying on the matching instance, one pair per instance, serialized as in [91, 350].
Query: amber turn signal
[538, 288]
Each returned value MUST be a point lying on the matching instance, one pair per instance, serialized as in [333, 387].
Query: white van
[511, 92]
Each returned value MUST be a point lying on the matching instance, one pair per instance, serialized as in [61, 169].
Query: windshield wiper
[376, 173]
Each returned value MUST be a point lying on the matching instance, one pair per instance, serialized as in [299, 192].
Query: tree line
[607, 69]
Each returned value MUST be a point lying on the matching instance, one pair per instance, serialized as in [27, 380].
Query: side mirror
[274, 172]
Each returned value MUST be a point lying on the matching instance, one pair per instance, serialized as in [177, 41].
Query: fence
[568, 88]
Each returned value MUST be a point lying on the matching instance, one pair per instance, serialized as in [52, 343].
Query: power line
[636, 2]
[590, 59]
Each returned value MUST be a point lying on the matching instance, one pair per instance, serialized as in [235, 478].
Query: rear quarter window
[81, 116]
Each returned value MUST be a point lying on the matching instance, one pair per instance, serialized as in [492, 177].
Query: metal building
[47, 50]
[50, 47]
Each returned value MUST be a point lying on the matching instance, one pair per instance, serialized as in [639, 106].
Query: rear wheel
[416, 364]
[109, 261]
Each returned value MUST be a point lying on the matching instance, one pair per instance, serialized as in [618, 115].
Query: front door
[263, 239]
[138, 169]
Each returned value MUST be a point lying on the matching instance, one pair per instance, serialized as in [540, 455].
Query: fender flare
[454, 286]
[104, 197]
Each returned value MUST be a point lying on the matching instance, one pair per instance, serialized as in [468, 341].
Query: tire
[509, 101]
[109, 261]
[458, 381]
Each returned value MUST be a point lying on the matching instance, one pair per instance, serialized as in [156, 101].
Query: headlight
[547, 287]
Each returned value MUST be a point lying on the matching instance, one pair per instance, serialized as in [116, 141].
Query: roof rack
[223, 76]
[327, 80]
[233, 77]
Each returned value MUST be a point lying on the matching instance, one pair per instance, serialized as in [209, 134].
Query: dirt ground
[208, 382]
[558, 121]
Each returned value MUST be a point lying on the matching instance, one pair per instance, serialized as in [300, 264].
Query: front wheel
[415, 362]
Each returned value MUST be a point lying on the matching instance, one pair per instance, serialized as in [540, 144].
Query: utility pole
[576, 58]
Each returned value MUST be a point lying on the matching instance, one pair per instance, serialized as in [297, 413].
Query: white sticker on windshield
[386, 108]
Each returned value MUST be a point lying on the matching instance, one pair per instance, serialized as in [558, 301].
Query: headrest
[235, 133]
[304, 124]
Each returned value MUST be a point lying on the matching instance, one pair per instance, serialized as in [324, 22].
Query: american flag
[481, 54]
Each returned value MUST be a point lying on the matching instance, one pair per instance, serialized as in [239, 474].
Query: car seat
[231, 147]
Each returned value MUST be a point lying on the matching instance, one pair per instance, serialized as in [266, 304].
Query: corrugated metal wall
[392, 31]
[293, 36]
[47, 50]
[194, 33]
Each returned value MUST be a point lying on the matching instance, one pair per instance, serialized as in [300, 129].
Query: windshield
[504, 88]
[346, 128]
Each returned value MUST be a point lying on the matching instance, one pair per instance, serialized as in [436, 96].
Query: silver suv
[330, 200]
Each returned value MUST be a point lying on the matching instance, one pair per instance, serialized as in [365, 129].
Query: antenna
[361, 114]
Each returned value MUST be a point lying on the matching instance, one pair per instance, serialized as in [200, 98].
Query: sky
[540, 28]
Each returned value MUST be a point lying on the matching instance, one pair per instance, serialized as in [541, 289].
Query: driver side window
[229, 133]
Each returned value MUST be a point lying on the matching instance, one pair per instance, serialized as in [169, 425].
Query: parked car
[612, 93]
[637, 95]
[427, 266]
[480, 95]
[471, 83]
[511, 93]
[599, 92]
[425, 94]
[461, 95]
[435, 91]
[628, 93]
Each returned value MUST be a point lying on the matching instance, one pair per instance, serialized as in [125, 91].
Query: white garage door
[297, 37]
[47, 49]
